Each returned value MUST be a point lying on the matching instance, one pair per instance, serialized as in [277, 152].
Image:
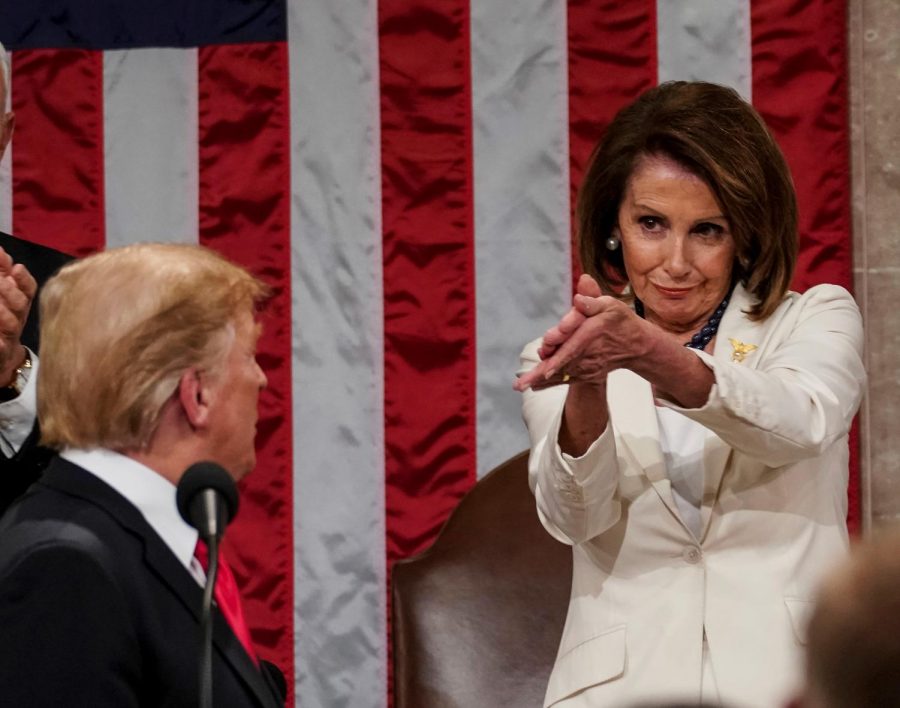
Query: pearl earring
[612, 243]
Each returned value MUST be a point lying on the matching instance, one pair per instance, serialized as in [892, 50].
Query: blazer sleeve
[577, 498]
[61, 644]
[803, 395]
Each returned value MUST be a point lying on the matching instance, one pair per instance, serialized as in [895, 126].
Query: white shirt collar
[149, 491]
[17, 416]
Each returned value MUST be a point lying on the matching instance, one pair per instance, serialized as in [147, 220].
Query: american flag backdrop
[402, 173]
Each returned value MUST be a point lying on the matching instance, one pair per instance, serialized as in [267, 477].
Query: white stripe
[706, 40]
[150, 142]
[338, 410]
[6, 224]
[522, 229]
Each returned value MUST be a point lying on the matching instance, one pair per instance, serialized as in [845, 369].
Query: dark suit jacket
[17, 473]
[95, 610]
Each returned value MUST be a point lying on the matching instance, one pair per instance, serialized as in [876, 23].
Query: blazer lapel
[172, 574]
[739, 341]
[165, 566]
[233, 652]
[226, 644]
[633, 412]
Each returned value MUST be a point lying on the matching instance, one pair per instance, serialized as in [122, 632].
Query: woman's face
[676, 244]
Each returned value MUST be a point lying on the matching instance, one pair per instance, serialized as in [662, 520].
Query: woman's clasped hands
[599, 334]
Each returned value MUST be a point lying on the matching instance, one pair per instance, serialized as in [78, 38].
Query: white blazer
[644, 588]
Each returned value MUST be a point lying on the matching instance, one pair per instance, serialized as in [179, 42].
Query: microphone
[207, 499]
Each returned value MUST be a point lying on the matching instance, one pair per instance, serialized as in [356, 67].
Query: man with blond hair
[149, 366]
[23, 265]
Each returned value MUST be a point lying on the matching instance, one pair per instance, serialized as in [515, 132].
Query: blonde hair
[118, 330]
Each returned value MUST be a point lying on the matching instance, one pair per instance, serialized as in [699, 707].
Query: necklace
[706, 333]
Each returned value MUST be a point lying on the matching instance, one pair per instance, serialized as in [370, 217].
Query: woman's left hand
[564, 329]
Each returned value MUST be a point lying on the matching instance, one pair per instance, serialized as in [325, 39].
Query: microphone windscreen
[206, 475]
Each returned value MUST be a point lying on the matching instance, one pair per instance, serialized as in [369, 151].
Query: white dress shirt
[682, 441]
[17, 416]
[151, 493]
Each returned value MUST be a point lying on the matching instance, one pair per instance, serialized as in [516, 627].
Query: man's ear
[193, 395]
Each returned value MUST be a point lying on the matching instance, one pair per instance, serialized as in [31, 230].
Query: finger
[545, 351]
[26, 282]
[573, 350]
[12, 297]
[554, 366]
[588, 306]
[552, 339]
[6, 262]
[556, 380]
[524, 382]
[588, 286]
[555, 336]
[570, 321]
[10, 325]
[529, 379]
[593, 306]
[538, 384]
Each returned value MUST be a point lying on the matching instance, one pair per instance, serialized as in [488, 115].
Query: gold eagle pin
[740, 350]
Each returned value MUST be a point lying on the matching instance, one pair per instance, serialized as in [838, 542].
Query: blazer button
[691, 554]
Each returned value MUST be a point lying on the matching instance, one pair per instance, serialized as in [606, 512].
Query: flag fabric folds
[402, 173]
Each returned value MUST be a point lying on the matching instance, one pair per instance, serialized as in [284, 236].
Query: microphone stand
[207, 499]
[206, 624]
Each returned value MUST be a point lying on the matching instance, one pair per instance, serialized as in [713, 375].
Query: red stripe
[244, 164]
[428, 271]
[612, 60]
[57, 157]
[854, 493]
[800, 88]
[428, 252]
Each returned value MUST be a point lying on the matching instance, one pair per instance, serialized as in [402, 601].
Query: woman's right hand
[598, 335]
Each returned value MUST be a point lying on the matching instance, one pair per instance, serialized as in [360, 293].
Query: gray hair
[7, 74]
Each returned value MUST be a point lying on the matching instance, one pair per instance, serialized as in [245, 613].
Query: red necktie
[227, 597]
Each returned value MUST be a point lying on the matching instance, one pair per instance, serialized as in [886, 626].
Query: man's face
[234, 395]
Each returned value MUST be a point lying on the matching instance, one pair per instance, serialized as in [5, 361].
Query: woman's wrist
[677, 375]
[584, 418]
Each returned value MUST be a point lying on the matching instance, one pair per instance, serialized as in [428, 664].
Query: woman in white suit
[689, 415]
